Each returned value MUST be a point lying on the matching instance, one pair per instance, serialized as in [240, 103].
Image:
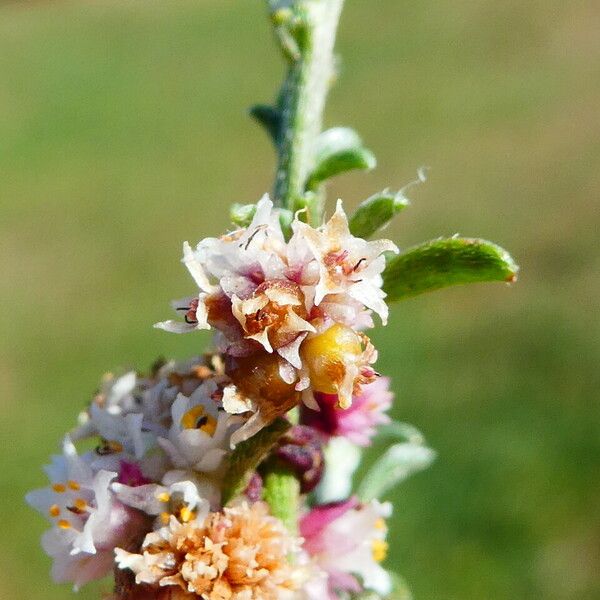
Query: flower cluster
[153, 500]
[289, 315]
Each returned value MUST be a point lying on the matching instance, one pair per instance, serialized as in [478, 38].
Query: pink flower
[358, 422]
[347, 541]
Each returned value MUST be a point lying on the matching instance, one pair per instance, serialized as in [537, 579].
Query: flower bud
[301, 449]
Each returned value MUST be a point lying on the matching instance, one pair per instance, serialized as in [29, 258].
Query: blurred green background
[123, 132]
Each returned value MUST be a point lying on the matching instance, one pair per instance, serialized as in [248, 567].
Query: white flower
[264, 295]
[183, 499]
[87, 522]
[199, 437]
[349, 268]
[348, 539]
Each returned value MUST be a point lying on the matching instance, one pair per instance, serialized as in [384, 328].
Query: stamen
[190, 418]
[185, 514]
[59, 488]
[64, 524]
[73, 485]
[379, 549]
[163, 497]
[54, 510]
[80, 504]
[165, 517]
[358, 264]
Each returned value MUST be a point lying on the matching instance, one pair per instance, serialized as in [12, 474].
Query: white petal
[142, 497]
[196, 270]
[175, 326]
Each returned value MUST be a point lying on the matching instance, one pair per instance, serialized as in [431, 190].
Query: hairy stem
[281, 491]
[306, 31]
[310, 27]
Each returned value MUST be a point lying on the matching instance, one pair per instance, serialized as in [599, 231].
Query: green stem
[281, 492]
[311, 26]
[306, 31]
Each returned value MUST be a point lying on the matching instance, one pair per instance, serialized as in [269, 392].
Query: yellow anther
[195, 418]
[64, 524]
[380, 524]
[80, 504]
[73, 485]
[54, 510]
[379, 549]
[185, 514]
[165, 517]
[114, 446]
[163, 497]
[59, 488]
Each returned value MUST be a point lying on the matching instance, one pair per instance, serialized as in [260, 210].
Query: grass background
[123, 132]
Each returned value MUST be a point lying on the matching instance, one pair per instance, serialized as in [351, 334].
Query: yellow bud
[327, 354]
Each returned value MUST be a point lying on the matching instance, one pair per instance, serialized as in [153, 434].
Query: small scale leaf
[270, 118]
[242, 214]
[339, 149]
[444, 262]
[248, 455]
[396, 464]
[376, 212]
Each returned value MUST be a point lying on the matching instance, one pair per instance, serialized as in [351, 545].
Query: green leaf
[270, 118]
[248, 455]
[399, 431]
[396, 464]
[444, 262]
[242, 214]
[376, 212]
[339, 149]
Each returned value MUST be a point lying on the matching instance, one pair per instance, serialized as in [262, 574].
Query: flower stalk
[306, 31]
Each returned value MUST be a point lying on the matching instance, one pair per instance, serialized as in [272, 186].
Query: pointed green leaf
[248, 455]
[396, 464]
[399, 431]
[376, 212]
[270, 118]
[339, 149]
[444, 262]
